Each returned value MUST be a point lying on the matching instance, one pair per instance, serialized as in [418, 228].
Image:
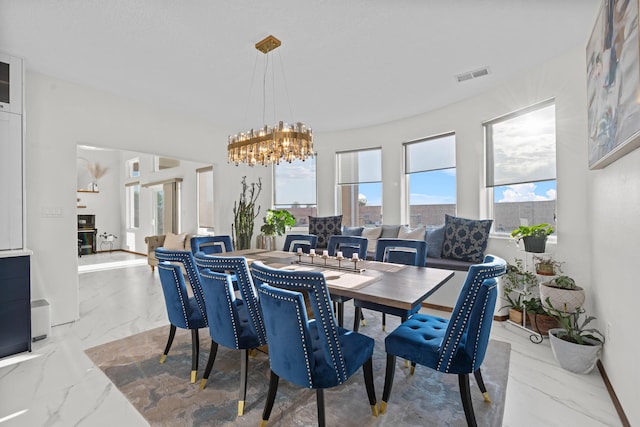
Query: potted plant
[275, 223]
[533, 236]
[516, 286]
[547, 266]
[539, 320]
[245, 213]
[563, 293]
[575, 347]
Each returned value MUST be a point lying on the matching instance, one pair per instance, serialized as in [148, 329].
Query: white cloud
[525, 193]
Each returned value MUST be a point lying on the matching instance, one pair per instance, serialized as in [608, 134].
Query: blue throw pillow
[465, 239]
[352, 231]
[435, 239]
[323, 227]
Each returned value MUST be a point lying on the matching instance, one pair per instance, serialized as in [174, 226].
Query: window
[158, 211]
[205, 197]
[161, 163]
[133, 168]
[132, 191]
[430, 171]
[521, 167]
[360, 187]
[295, 189]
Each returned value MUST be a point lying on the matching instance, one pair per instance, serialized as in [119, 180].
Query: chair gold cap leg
[413, 370]
[374, 410]
[163, 358]
[194, 374]
[486, 397]
[383, 407]
[203, 383]
[240, 407]
[264, 423]
[406, 363]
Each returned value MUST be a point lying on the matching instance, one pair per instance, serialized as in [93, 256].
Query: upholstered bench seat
[449, 264]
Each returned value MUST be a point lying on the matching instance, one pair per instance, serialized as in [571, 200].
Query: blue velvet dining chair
[229, 326]
[348, 245]
[398, 251]
[238, 268]
[304, 241]
[454, 346]
[183, 311]
[211, 244]
[316, 353]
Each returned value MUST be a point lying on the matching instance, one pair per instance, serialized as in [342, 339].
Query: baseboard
[613, 396]
[127, 251]
[437, 307]
[119, 250]
[449, 310]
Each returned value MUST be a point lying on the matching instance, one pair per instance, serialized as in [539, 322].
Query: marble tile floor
[57, 385]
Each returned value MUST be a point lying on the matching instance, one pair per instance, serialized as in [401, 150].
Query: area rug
[164, 396]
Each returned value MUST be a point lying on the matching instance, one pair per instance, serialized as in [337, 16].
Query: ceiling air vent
[472, 74]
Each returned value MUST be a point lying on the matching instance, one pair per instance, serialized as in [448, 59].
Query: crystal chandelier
[271, 144]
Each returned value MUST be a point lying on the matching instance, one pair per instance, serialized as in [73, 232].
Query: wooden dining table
[393, 285]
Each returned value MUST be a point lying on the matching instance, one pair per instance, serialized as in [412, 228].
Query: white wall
[614, 213]
[61, 115]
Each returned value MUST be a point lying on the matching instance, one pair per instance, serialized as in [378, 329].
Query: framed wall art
[613, 83]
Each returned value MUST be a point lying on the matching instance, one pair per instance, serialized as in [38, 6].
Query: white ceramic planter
[576, 358]
[567, 300]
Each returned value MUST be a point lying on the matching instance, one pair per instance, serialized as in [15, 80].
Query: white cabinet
[11, 154]
[11, 177]
[10, 84]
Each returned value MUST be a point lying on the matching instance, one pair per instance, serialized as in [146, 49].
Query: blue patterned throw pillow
[325, 226]
[465, 239]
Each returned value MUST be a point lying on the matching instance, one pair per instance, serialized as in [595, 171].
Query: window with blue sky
[360, 186]
[521, 167]
[295, 189]
[430, 171]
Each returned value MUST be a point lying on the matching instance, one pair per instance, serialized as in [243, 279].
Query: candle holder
[332, 262]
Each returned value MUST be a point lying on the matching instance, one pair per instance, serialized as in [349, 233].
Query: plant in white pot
[563, 294]
[575, 347]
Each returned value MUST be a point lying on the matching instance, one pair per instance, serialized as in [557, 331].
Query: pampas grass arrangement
[95, 170]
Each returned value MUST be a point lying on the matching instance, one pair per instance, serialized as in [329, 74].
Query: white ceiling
[347, 64]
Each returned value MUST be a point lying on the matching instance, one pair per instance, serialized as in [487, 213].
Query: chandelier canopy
[271, 144]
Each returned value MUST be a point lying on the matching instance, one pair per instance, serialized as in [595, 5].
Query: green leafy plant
[562, 282]
[547, 265]
[276, 222]
[515, 281]
[534, 305]
[244, 213]
[539, 230]
[573, 325]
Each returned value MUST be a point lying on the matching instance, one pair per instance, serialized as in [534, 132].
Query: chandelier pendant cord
[286, 87]
[253, 78]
